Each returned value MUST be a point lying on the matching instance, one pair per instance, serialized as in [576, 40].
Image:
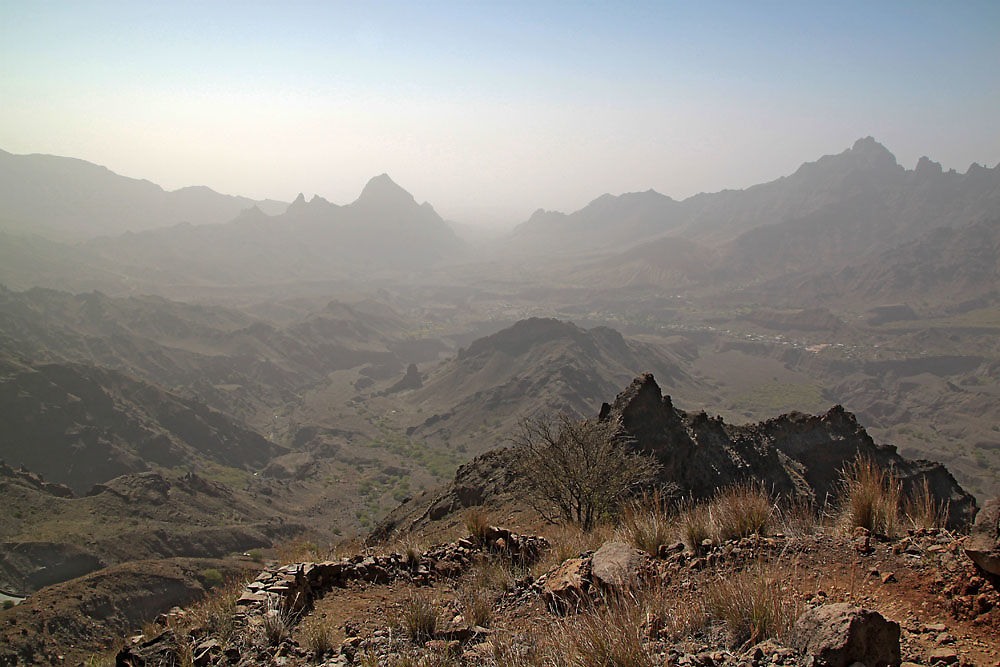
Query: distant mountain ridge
[71, 199]
[383, 230]
[832, 190]
[535, 366]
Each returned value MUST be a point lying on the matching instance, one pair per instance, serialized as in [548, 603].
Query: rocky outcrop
[576, 582]
[794, 455]
[412, 380]
[840, 635]
[983, 545]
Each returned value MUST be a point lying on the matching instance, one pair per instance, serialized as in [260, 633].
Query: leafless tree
[575, 471]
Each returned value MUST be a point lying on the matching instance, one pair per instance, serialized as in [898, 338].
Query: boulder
[839, 635]
[983, 545]
[618, 566]
[565, 588]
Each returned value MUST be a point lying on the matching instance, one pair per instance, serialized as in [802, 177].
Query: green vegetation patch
[772, 398]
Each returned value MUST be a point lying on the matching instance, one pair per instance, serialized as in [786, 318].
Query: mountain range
[858, 207]
[71, 199]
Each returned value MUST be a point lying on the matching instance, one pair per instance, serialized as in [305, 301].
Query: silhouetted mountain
[825, 215]
[605, 223]
[384, 231]
[66, 198]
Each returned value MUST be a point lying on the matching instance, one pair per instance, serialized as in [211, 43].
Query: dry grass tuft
[318, 638]
[695, 525]
[798, 516]
[613, 634]
[751, 604]
[871, 497]
[477, 522]
[419, 616]
[277, 625]
[742, 510]
[647, 523]
[922, 508]
[216, 611]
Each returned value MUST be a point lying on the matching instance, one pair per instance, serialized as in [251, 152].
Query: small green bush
[211, 578]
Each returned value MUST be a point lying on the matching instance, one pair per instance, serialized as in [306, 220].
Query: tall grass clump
[871, 496]
[695, 525]
[277, 624]
[751, 605]
[798, 516]
[613, 634]
[419, 615]
[477, 522]
[647, 523]
[476, 603]
[742, 510]
[317, 637]
[922, 508]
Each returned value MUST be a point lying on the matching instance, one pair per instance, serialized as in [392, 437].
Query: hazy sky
[490, 110]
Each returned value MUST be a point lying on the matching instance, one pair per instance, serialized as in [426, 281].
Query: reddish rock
[616, 565]
[983, 545]
[566, 587]
[839, 635]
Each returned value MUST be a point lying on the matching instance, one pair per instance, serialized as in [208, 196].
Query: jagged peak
[872, 153]
[925, 165]
[382, 190]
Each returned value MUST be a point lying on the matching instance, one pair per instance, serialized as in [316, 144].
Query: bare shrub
[742, 510]
[419, 616]
[751, 604]
[578, 471]
[871, 496]
[647, 523]
[922, 508]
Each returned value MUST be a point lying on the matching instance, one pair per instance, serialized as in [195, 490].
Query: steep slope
[944, 265]
[48, 536]
[232, 361]
[536, 366]
[82, 425]
[794, 455]
[66, 198]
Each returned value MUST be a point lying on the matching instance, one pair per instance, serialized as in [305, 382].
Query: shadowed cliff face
[793, 455]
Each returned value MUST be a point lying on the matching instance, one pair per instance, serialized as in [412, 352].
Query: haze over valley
[197, 381]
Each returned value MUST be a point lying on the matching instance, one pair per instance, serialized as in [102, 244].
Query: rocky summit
[794, 455]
